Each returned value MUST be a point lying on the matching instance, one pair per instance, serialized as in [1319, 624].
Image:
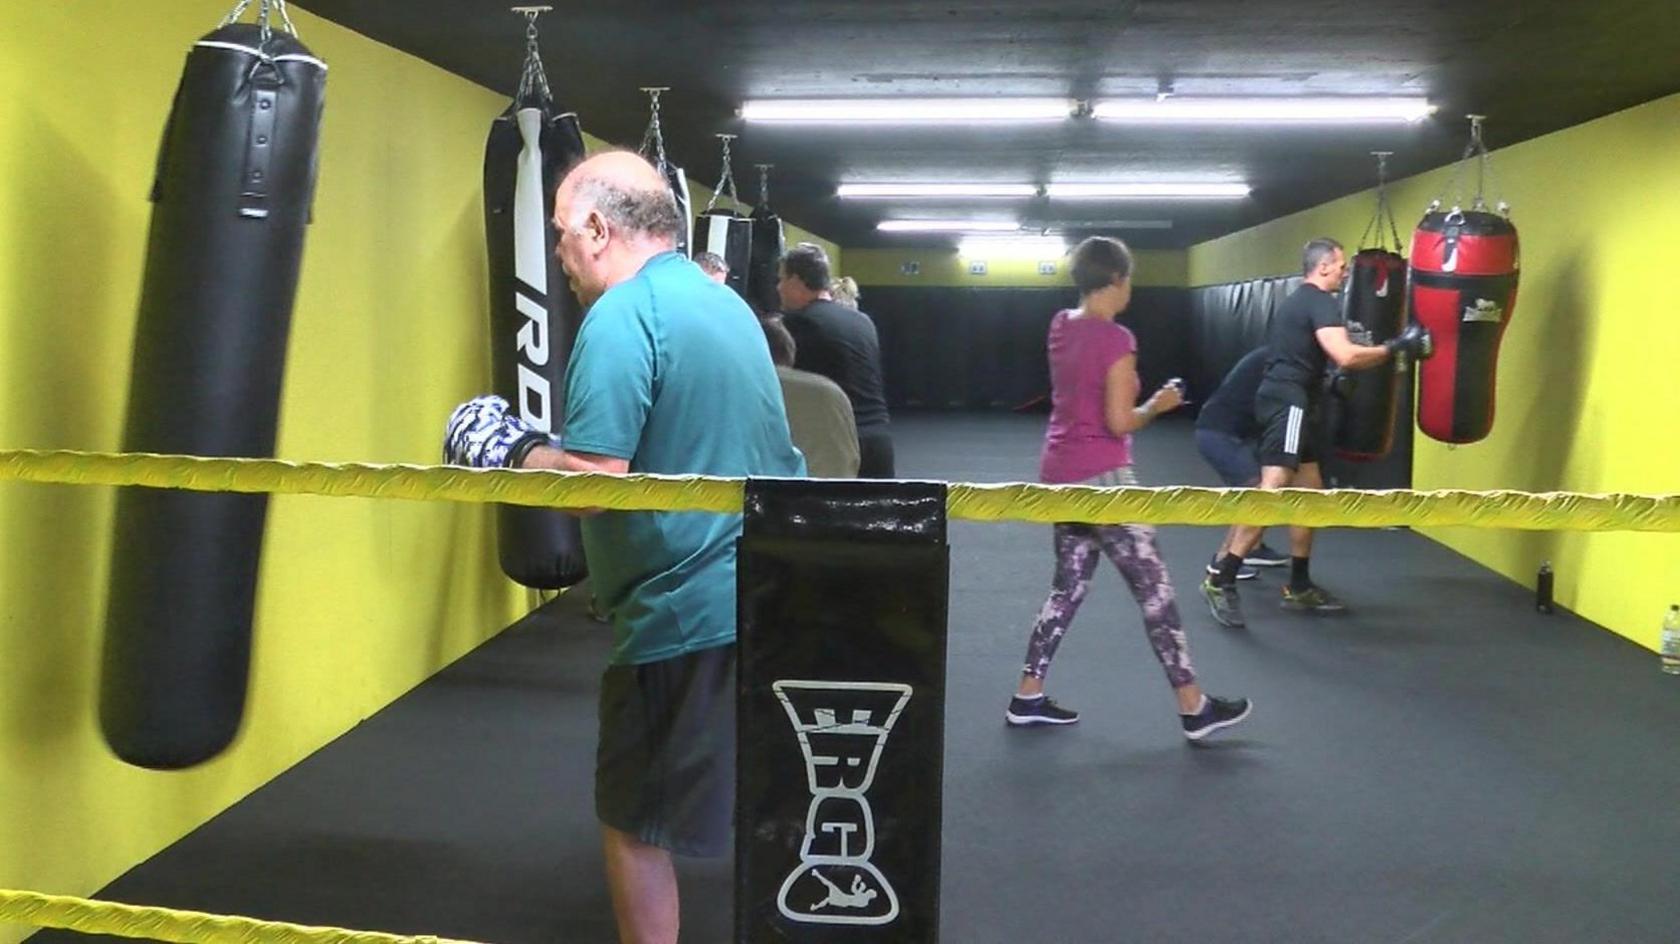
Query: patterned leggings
[1132, 549]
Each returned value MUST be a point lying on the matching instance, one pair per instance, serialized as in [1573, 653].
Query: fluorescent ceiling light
[1194, 190]
[906, 110]
[948, 226]
[877, 191]
[1018, 247]
[1264, 110]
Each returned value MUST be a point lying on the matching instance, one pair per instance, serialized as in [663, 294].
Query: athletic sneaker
[1263, 556]
[1314, 599]
[1243, 573]
[1040, 710]
[1224, 604]
[1216, 713]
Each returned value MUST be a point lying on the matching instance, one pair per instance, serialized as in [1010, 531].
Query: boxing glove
[1415, 342]
[481, 434]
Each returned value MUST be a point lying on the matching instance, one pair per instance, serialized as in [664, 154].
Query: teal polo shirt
[671, 372]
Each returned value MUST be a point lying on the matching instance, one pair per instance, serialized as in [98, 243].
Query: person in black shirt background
[1227, 436]
[839, 343]
[1306, 333]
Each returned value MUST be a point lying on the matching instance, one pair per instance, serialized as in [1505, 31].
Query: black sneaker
[1263, 556]
[1243, 573]
[1217, 713]
[1040, 710]
[1314, 599]
[1224, 604]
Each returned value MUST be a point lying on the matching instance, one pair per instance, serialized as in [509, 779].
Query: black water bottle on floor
[1543, 588]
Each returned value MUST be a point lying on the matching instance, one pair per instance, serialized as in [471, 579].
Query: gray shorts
[665, 762]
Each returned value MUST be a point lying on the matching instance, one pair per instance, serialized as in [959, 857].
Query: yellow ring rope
[183, 927]
[1549, 511]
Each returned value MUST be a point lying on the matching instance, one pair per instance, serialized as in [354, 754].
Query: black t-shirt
[1231, 408]
[840, 343]
[1297, 360]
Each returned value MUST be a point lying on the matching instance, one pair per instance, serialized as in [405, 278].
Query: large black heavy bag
[730, 235]
[231, 200]
[841, 711]
[1374, 307]
[533, 315]
[764, 269]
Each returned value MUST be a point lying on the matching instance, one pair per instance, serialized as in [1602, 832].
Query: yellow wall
[1588, 386]
[944, 268]
[359, 600]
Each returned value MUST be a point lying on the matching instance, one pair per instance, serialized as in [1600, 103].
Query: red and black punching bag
[230, 205]
[1464, 269]
[533, 314]
[1374, 307]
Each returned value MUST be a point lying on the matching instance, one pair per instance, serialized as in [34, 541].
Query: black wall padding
[533, 316]
[230, 205]
[1227, 321]
[984, 348]
[841, 711]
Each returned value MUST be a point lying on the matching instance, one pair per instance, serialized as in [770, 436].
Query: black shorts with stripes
[1291, 426]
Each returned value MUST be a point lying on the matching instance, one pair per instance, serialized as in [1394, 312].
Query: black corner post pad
[843, 604]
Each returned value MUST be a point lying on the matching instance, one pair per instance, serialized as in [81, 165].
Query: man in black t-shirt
[1306, 333]
[839, 343]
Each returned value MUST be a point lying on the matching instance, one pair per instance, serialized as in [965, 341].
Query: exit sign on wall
[977, 268]
[1046, 268]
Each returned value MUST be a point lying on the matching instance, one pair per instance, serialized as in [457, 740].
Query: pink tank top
[1077, 443]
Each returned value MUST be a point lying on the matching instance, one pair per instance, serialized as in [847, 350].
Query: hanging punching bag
[230, 203]
[533, 314]
[1374, 307]
[724, 232]
[653, 148]
[764, 267]
[1463, 288]
[729, 235]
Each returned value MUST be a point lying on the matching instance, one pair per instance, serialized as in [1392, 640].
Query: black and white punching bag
[764, 267]
[230, 204]
[533, 314]
[724, 232]
[653, 148]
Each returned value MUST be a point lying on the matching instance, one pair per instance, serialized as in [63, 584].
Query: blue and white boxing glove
[482, 435]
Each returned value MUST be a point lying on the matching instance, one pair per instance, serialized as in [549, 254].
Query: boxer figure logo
[1484, 309]
[842, 729]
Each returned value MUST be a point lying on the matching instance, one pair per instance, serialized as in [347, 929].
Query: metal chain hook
[727, 177]
[533, 76]
[654, 135]
[764, 186]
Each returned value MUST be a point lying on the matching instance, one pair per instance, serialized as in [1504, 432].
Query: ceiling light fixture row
[1191, 190]
[1164, 109]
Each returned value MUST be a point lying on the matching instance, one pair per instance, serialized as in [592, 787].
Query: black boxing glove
[1415, 342]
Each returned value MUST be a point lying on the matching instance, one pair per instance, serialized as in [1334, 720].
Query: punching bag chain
[264, 13]
[1385, 209]
[764, 186]
[654, 135]
[1477, 149]
[727, 178]
[535, 77]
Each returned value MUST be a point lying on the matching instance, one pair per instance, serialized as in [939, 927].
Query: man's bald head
[628, 192]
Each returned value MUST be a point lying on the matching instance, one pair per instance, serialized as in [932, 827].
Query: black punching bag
[764, 268]
[729, 235]
[1374, 307]
[533, 314]
[230, 203]
[677, 180]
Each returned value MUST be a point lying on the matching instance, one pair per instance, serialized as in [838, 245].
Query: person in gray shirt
[819, 414]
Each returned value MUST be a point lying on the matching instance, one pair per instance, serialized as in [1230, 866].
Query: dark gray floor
[1441, 765]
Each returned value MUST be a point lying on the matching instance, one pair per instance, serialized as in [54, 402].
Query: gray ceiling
[1532, 67]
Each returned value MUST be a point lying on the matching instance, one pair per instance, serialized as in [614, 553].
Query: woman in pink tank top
[1094, 411]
